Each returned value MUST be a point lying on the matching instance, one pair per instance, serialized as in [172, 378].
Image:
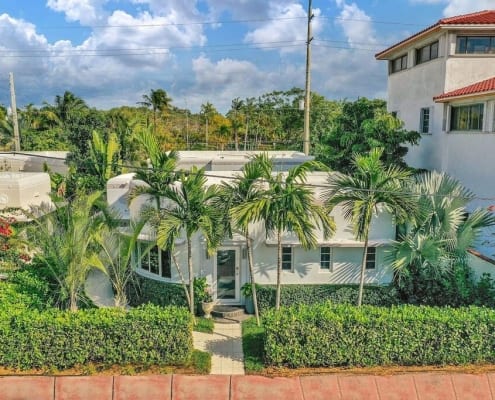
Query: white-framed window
[155, 261]
[475, 44]
[371, 258]
[398, 64]
[326, 259]
[424, 120]
[287, 262]
[467, 117]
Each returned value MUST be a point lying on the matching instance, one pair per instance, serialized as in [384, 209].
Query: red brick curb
[414, 386]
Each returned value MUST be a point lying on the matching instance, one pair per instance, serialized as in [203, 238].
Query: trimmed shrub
[325, 335]
[144, 290]
[338, 294]
[148, 335]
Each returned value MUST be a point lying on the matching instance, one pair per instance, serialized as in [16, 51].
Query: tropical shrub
[325, 335]
[147, 335]
[144, 290]
[338, 294]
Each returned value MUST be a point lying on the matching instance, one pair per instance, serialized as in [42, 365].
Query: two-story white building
[336, 260]
[442, 83]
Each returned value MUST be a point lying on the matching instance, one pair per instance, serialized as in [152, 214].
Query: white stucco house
[441, 82]
[336, 260]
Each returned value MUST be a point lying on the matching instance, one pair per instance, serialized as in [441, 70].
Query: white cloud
[356, 24]
[229, 78]
[288, 24]
[87, 12]
[458, 7]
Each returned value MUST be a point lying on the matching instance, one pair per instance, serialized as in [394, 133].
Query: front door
[227, 275]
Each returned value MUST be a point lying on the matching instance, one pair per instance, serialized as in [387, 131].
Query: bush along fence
[147, 335]
[339, 294]
[326, 335]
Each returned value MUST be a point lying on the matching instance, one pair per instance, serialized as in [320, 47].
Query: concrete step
[229, 314]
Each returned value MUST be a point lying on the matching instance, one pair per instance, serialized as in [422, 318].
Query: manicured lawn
[204, 325]
[252, 345]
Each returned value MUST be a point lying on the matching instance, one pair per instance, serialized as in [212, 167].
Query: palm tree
[161, 174]
[208, 111]
[287, 205]
[157, 100]
[67, 106]
[437, 240]
[66, 242]
[117, 257]
[372, 184]
[103, 154]
[245, 188]
[193, 208]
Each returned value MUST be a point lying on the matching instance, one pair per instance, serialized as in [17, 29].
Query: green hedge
[327, 335]
[312, 294]
[144, 290]
[146, 335]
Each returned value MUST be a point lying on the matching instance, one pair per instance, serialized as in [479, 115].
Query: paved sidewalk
[414, 386]
[225, 346]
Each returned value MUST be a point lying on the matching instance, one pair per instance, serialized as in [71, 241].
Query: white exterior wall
[24, 189]
[347, 253]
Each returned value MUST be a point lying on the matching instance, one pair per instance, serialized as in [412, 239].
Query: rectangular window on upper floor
[466, 117]
[475, 44]
[398, 64]
[427, 53]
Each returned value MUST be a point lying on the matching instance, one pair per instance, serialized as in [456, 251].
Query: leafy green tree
[286, 205]
[193, 208]
[66, 243]
[359, 127]
[372, 184]
[430, 257]
[245, 188]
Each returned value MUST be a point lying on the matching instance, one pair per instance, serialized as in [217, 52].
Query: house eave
[469, 96]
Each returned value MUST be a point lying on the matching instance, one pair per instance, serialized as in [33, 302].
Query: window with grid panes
[287, 258]
[326, 258]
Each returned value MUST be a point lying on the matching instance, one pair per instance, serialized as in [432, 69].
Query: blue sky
[111, 52]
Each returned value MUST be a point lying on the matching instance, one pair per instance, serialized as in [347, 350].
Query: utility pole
[13, 105]
[307, 97]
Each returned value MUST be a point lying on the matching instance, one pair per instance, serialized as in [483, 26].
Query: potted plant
[247, 292]
[204, 296]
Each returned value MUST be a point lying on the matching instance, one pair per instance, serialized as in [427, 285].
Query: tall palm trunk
[363, 271]
[191, 276]
[251, 272]
[279, 270]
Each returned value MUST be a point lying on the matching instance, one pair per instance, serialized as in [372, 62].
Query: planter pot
[249, 305]
[207, 308]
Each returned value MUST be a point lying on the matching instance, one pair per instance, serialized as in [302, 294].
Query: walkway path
[419, 386]
[225, 346]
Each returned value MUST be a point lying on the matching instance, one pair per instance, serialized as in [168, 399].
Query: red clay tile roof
[486, 17]
[488, 85]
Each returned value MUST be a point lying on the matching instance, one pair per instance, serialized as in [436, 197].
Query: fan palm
[372, 184]
[438, 238]
[287, 205]
[192, 208]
